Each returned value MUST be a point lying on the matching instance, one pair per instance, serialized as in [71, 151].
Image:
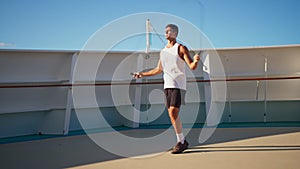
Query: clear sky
[68, 24]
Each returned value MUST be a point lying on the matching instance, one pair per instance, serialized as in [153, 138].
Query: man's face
[170, 33]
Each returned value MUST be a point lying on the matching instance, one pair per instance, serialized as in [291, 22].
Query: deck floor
[234, 148]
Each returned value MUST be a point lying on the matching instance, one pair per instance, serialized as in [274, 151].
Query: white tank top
[173, 68]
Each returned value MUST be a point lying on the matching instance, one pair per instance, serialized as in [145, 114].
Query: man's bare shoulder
[182, 50]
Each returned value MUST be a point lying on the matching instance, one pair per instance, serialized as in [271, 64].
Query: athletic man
[172, 63]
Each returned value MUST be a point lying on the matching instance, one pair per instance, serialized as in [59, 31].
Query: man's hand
[196, 58]
[137, 75]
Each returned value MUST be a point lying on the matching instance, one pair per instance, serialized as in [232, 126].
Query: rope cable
[157, 34]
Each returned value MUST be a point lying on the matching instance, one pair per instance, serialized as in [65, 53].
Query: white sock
[180, 137]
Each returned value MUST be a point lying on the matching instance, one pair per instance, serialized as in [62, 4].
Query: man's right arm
[151, 72]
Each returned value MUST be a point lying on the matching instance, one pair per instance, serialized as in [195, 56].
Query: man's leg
[182, 144]
[173, 114]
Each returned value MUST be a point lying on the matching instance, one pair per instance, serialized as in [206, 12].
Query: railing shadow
[241, 149]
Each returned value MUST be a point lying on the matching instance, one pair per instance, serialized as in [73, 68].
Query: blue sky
[69, 24]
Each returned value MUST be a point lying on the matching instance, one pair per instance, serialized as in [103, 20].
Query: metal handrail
[146, 83]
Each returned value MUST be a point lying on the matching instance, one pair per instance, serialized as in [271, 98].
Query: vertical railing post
[69, 97]
[229, 91]
[138, 94]
[265, 89]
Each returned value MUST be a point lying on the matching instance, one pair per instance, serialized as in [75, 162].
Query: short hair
[173, 27]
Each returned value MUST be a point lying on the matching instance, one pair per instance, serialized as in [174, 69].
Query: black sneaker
[179, 148]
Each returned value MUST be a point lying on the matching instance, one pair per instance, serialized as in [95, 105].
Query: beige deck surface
[232, 148]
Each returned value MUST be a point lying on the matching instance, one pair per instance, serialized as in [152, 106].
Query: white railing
[35, 86]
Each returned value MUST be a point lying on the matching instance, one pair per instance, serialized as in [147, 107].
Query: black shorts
[174, 97]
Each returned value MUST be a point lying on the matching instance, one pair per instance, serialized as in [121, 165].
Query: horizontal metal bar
[146, 83]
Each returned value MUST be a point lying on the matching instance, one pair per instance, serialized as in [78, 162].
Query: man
[173, 59]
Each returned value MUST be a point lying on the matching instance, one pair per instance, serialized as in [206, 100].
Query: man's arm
[151, 72]
[184, 53]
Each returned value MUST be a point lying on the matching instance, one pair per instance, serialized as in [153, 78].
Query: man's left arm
[185, 54]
